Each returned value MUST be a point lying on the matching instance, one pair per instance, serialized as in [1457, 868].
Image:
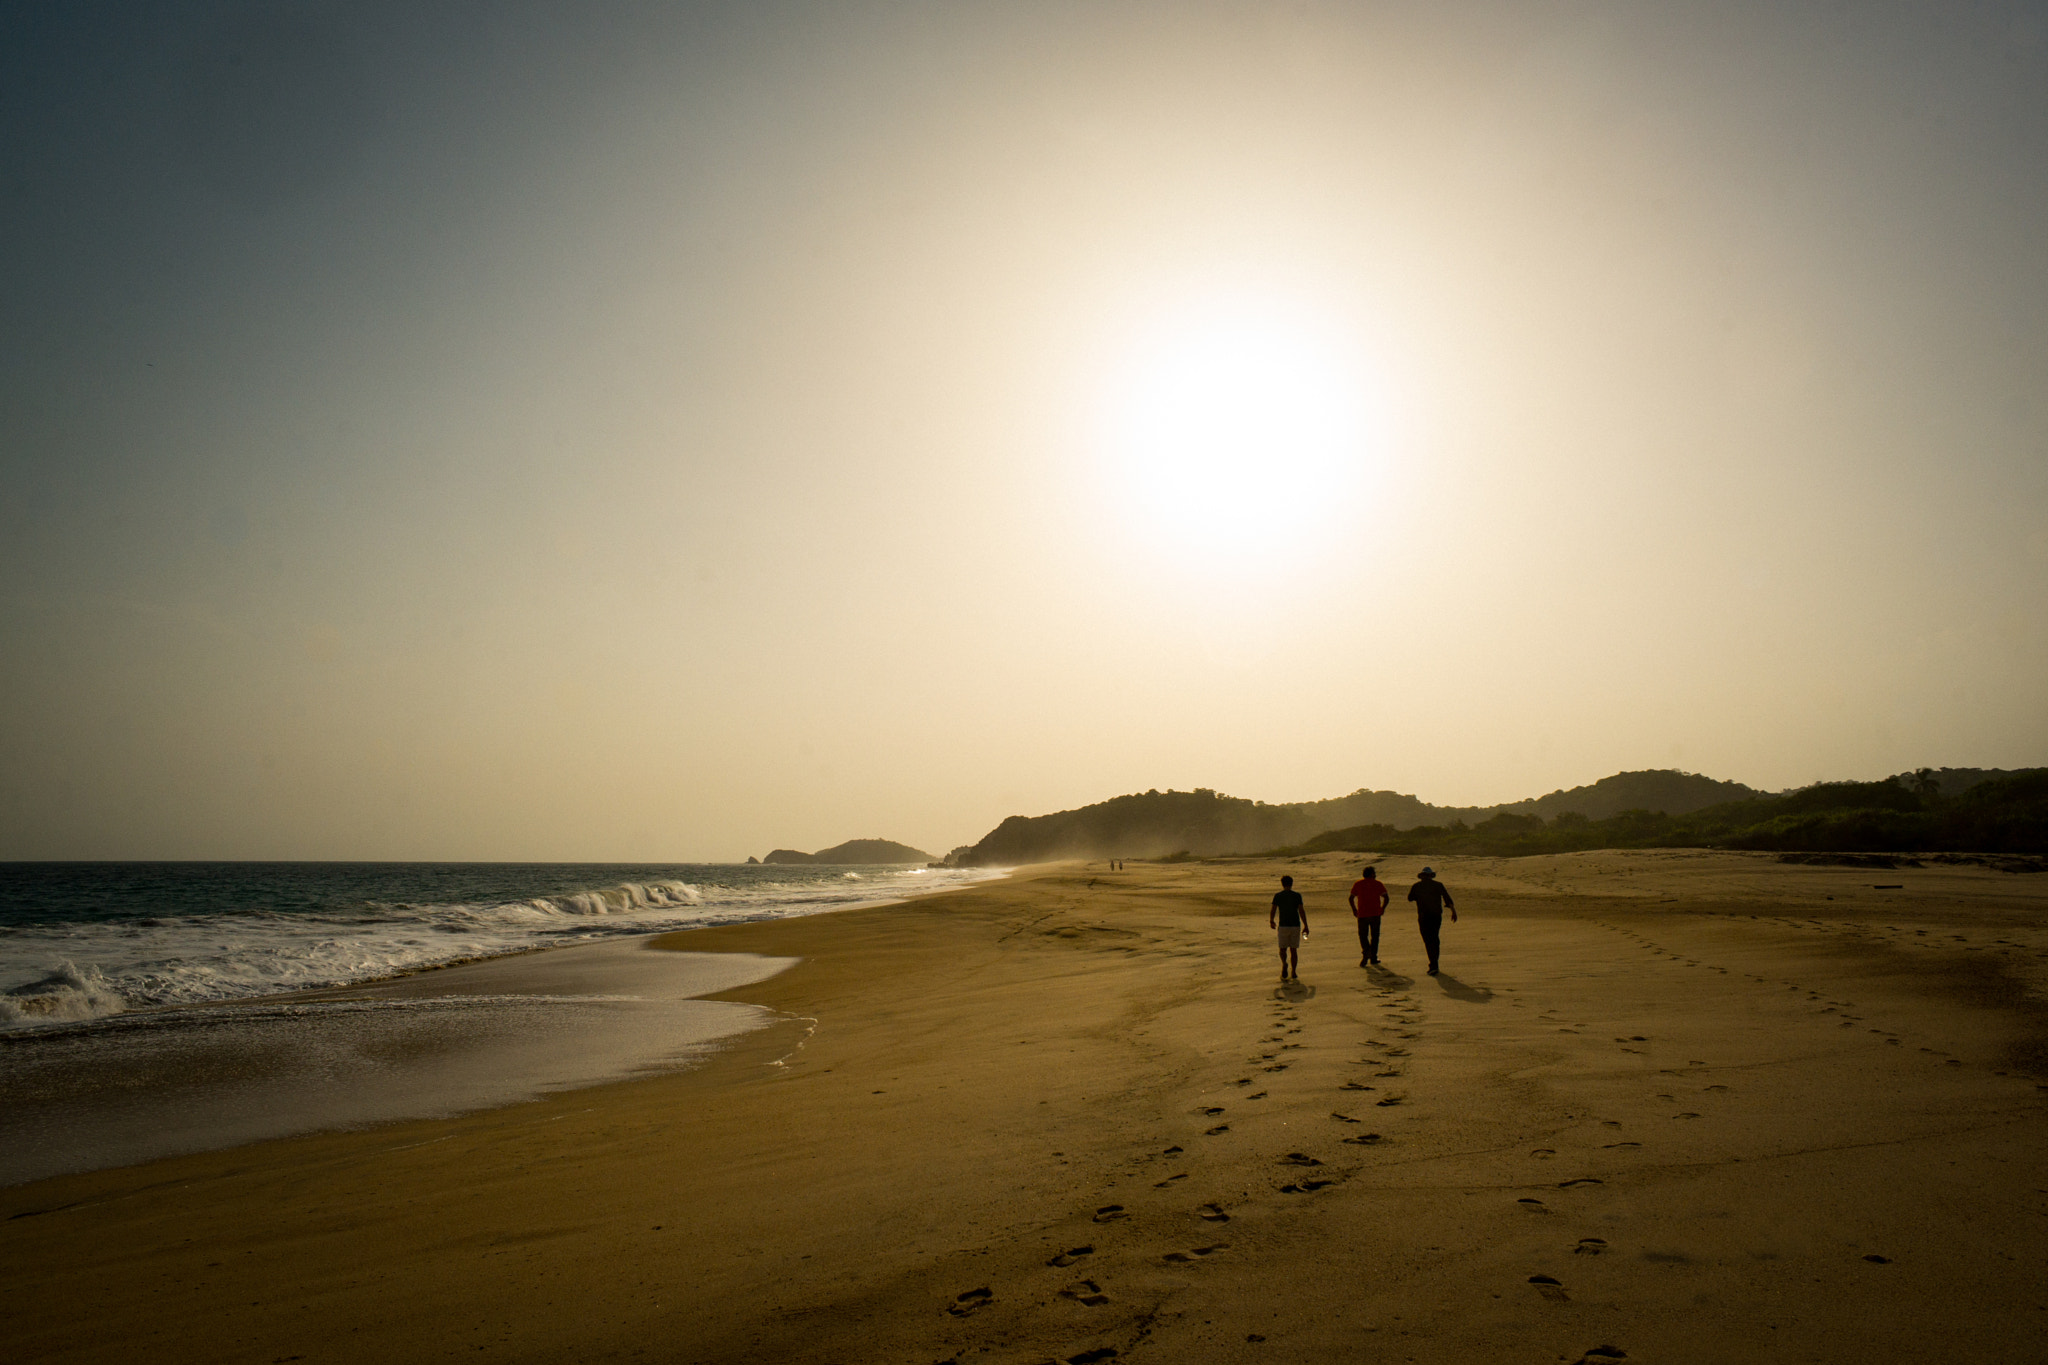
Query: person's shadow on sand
[1387, 976]
[1458, 990]
[1293, 990]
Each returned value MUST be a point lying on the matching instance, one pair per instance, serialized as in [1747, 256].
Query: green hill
[1960, 810]
[1911, 813]
[1154, 824]
[1674, 793]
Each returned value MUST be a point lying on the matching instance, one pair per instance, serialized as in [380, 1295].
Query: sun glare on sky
[1234, 431]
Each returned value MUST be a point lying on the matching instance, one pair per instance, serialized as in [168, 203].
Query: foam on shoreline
[157, 1083]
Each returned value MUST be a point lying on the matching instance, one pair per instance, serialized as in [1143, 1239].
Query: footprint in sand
[1549, 1288]
[1687, 1115]
[1160, 1185]
[1344, 1118]
[1533, 1205]
[1212, 1213]
[1600, 1355]
[1109, 1213]
[971, 1301]
[1582, 1180]
[1590, 1246]
[1219, 1128]
[1388, 1102]
[1090, 1357]
[1195, 1253]
[1278, 1066]
[1257, 1096]
[1067, 1258]
[1353, 1085]
[1242, 1080]
[1363, 1139]
[1299, 1159]
[1210, 1110]
[1383, 1075]
[1544, 1152]
[1085, 1291]
[1171, 1151]
[1710, 1089]
[1307, 1186]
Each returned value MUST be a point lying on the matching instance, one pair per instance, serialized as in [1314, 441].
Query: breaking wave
[157, 946]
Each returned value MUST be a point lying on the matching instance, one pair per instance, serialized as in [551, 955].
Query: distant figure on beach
[1369, 899]
[1291, 919]
[1431, 899]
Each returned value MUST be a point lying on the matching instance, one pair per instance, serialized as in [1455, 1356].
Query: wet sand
[429, 1044]
[1660, 1107]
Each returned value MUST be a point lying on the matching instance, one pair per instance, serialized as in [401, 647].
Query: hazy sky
[667, 431]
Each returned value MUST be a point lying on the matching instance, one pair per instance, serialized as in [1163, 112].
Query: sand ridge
[1658, 1107]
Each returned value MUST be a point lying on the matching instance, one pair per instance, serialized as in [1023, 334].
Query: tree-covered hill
[2006, 814]
[1933, 810]
[1155, 823]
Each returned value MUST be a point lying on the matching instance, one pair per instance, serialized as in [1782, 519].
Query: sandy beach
[1659, 1107]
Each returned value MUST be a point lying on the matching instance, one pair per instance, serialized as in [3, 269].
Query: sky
[666, 432]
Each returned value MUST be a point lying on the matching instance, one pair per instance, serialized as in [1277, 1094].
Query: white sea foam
[67, 995]
[63, 973]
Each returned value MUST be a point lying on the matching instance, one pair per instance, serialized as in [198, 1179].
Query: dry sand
[1660, 1107]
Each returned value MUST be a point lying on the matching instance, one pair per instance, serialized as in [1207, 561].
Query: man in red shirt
[1369, 901]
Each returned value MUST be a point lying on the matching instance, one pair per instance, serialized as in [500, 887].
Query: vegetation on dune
[1910, 814]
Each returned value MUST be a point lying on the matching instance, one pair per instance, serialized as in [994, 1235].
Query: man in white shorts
[1291, 919]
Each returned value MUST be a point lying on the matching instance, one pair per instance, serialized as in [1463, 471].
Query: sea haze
[81, 942]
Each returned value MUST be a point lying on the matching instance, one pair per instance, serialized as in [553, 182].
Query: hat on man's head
[1429, 872]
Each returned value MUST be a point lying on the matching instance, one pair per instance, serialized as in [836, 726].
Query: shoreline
[195, 951]
[471, 1037]
[429, 1042]
[1686, 1106]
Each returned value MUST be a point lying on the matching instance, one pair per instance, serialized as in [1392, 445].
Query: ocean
[153, 1009]
[85, 941]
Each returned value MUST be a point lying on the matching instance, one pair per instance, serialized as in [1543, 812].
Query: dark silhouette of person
[1369, 899]
[1290, 917]
[1431, 899]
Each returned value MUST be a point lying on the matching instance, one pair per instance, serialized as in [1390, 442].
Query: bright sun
[1232, 430]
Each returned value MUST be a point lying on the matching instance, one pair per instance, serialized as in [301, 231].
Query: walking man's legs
[1368, 939]
[1432, 927]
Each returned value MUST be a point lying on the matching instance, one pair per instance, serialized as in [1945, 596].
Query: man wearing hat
[1431, 899]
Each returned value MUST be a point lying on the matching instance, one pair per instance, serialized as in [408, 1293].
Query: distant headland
[854, 852]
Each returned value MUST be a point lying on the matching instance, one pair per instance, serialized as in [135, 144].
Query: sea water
[153, 1009]
[85, 941]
